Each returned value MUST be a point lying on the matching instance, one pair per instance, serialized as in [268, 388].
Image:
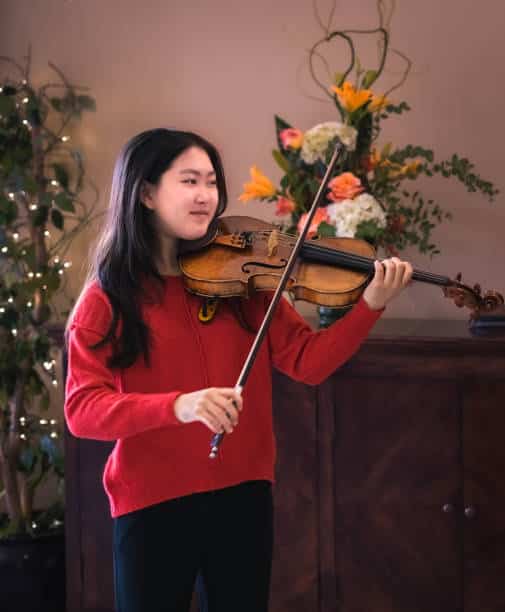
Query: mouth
[199, 213]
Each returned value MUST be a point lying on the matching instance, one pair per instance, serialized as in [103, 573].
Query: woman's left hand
[390, 278]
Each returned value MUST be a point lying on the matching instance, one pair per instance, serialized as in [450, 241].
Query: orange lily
[259, 187]
[350, 98]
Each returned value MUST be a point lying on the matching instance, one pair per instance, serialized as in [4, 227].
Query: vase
[328, 315]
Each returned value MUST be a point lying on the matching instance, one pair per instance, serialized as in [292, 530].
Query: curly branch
[405, 72]
[325, 28]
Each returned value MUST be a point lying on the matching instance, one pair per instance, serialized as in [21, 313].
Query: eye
[190, 181]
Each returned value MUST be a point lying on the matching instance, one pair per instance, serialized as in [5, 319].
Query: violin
[240, 255]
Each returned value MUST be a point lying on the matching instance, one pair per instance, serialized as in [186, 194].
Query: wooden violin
[240, 255]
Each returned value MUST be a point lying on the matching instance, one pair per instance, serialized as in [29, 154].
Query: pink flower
[320, 216]
[345, 186]
[291, 138]
[284, 206]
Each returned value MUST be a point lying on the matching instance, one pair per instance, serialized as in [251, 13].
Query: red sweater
[156, 457]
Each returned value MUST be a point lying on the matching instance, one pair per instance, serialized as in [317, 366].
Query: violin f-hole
[262, 264]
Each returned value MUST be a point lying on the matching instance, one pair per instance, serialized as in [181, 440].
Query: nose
[202, 195]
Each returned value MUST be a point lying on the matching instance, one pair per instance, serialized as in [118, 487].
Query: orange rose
[320, 216]
[345, 186]
[291, 138]
[284, 206]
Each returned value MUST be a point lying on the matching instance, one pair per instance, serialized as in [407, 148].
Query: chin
[193, 231]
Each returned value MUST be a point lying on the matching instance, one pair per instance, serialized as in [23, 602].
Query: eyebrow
[196, 172]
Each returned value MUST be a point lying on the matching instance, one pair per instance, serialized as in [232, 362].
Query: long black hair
[126, 253]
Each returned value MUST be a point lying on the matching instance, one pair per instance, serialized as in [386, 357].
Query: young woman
[145, 372]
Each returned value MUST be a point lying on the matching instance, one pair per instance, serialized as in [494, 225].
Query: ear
[146, 194]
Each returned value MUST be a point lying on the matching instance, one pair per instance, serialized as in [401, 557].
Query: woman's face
[185, 200]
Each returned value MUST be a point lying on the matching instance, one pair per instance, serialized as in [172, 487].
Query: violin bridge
[273, 243]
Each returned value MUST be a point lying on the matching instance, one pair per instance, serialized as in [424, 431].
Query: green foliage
[41, 211]
[326, 230]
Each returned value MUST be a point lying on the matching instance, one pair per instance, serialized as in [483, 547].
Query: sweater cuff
[364, 309]
[171, 418]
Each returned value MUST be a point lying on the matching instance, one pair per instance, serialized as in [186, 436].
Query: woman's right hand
[215, 407]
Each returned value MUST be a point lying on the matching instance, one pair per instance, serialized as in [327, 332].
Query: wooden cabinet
[391, 494]
[390, 488]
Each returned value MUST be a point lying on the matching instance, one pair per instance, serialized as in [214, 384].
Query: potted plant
[41, 211]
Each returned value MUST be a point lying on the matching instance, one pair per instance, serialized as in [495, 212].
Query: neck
[166, 261]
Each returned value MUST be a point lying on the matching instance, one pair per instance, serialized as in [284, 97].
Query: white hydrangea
[317, 139]
[348, 214]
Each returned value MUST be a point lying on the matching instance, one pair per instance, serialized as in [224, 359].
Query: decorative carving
[472, 298]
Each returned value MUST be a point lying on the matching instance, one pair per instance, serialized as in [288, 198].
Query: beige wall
[225, 67]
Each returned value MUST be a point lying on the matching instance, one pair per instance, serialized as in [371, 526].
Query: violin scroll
[472, 298]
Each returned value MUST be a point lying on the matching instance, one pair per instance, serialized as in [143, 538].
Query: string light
[65, 138]
[43, 421]
[26, 100]
[10, 300]
[33, 206]
[29, 304]
[54, 183]
[67, 264]
[11, 195]
[31, 274]
[56, 259]
[54, 434]
[47, 234]
[25, 122]
[15, 235]
[22, 436]
[55, 382]
[38, 275]
[2, 309]
[14, 331]
[4, 249]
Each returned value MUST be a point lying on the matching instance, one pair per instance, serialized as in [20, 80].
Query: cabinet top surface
[429, 329]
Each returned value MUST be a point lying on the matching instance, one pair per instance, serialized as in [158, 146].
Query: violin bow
[244, 374]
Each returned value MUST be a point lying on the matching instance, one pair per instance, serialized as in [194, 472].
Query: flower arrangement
[369, 196]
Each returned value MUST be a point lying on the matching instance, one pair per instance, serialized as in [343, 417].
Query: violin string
[350, 258]
[368, 263]
[343, 256]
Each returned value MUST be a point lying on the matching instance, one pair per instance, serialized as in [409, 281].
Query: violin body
[245, 255]
[240, 255]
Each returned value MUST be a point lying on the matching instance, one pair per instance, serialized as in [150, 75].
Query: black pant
[224, 535]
